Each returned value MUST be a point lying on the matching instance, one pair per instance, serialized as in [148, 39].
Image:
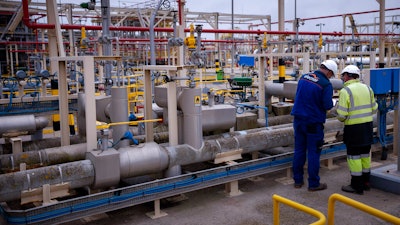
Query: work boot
[350, 189]
[320, 187]
[357, 183]
[367, 187]
[298, 185]
[365, 177]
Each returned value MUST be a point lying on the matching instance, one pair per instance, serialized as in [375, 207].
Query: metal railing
[363, 207]
[276, 199]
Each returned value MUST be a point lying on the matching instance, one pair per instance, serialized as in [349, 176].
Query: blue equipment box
[245, 60]
[395, 79]
[381, 80]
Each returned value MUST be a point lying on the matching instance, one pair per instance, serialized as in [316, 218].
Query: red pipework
[27, 22]
[179, 12]
[331, 16]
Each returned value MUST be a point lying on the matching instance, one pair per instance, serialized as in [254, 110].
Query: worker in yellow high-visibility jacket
[355, 108]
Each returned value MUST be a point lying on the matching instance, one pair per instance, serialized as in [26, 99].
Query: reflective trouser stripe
[366, 163]
[359, 164]
[355, 166]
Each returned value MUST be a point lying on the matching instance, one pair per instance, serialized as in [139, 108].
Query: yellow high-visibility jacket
[356, 103]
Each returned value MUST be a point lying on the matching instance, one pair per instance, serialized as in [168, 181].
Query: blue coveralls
[313, 99]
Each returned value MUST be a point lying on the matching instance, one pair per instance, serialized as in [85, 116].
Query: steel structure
[64, 45]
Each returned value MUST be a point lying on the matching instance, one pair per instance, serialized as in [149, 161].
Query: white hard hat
[330, 65]
[351, 69]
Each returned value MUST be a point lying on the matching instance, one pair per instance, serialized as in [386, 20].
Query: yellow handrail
[106, 126]
[368, 209]
[276, 199]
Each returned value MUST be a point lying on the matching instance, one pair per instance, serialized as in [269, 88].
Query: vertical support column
[90, 103]
[172, 125]
[157, 211]
[261, 88]
[232, 189]
[16, 144]
[381, 31]
[46, 194]
[172, 114]
[181, 53]
[396, 133]
[53, 18]
[63, 103]
[289, 173]
[306, 65]
[149, 130]
[329, 164]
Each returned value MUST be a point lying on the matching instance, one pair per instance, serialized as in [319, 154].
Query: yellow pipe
[106, 126]
[276, 199]
[363, 207]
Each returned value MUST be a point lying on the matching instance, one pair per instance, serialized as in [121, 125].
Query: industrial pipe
[151, 158]
[22, 123]
[159, 29]
[77, 174]
[44, 157]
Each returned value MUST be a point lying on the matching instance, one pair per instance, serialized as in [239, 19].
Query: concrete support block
[246, 121]
[282, 108]
[386, 178]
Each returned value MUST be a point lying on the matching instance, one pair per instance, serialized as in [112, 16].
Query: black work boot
[356, 185]
[366, 185]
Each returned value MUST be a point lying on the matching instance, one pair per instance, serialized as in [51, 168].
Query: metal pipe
[150, 158]
[288, 88]
[29, 24]
[21, 123]
[119, 113]
[77, 174]
[45, 157]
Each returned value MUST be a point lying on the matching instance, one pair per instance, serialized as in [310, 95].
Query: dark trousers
[308, 141]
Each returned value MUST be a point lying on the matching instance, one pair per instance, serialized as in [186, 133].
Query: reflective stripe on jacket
[356, 108]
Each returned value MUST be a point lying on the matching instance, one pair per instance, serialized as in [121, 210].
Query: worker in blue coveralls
[313, 99]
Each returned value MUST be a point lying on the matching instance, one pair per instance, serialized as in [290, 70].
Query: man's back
[313, 97]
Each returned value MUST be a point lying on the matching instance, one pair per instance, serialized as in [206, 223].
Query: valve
[88, 5]
[191, 40]
[265, 41]
[84, 41]
[320, 41]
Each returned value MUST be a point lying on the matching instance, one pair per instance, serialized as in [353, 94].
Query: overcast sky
[305, 9]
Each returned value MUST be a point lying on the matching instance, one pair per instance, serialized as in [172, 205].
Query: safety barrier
[276, 199]
[368, 209]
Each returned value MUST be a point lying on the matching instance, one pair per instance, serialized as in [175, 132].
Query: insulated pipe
[70, 153]
[77, 174]
[21, 123]
[186, 154]
[288, 88]
[190, 104]
[148, 158]
[119, 113]
[49, 156]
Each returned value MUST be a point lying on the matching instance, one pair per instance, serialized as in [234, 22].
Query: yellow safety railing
[368, 209]
[276, 199]
[106, 126]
